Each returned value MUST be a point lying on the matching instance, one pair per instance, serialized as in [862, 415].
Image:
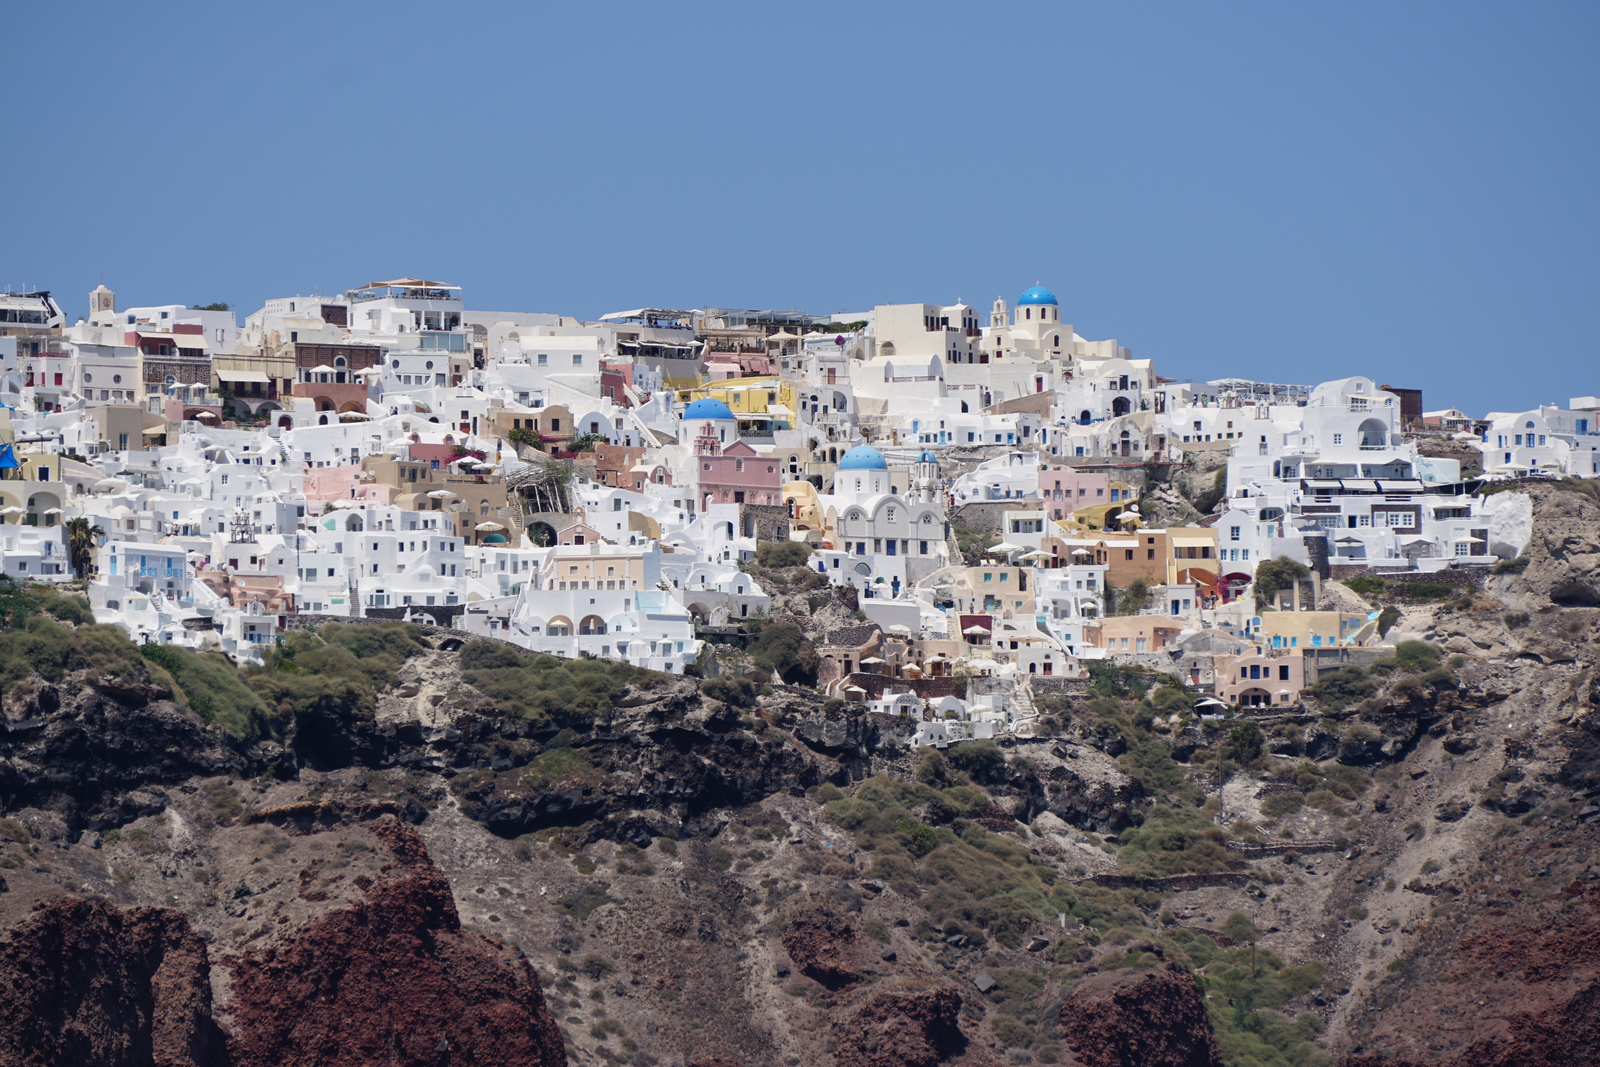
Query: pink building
[736, 474]
[1064, 490]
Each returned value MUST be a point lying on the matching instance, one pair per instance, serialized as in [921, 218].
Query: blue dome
[927, 457]
[495, 539]
[707, 409]
[863, 458]
[1038, 295]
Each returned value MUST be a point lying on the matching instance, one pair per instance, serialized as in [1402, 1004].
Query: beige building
[1260, 678]
[1132, 633]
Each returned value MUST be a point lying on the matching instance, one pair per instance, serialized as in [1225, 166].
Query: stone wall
[764, 522]
[988, 516]
[1463, 578]
[443, 614]
[926, 688]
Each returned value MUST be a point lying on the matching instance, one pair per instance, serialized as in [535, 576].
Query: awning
[1189, 541]
[780, 410]
[1321, 483]
[1416, 539]
[243, 376]
[1361, 485]
[1401, 485]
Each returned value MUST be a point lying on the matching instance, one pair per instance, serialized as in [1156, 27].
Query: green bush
[982, 760]
[212, 688]
[555, 765]
[739, 692]
[784, 649]
[1425, 590]
[1274, 575]
[38, 644]
[782, 553]
[483, 655]
[1011, 1033]
[545, 690]
[1510, 566]
[1278, 805]
[1366, 585]
[1338, 689]
[398, 641]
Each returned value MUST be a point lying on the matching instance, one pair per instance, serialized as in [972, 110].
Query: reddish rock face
[394, 980]
[1123, 1019]
[820, 944]
[1510, 995]
[88, 982]
[391, 978]
[901, 1030]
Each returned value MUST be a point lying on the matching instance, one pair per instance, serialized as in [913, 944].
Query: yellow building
[1315, 629]
[746, 396]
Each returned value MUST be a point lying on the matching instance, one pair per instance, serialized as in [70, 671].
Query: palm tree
[81, 544]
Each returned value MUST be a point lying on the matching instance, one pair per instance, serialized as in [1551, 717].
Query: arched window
[1027, 313]
[1055, 341]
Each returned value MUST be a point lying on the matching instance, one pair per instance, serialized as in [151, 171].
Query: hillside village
[958, 509]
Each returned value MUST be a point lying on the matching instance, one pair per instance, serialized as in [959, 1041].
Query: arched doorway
[1121, 406]
[542, 534]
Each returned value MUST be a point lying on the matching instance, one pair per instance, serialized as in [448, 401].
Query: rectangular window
[577, 360]
[1127, 553]
[1283, 673]
[1233, 533]
[544, 359]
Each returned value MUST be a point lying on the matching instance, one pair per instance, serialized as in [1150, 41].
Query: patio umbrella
[1082, 552]
[900, 627]
[1005, 548]
[13, 510]
[440, 494]
[975, 630]
[488, 527]
[872, 659]
[52, 511]
[1036, 554]
[1121, 515]
[1209, 701]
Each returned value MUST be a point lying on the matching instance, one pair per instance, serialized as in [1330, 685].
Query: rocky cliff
[441, 869]
[373, 967]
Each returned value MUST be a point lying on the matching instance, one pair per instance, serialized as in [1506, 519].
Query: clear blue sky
[1288, 191]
